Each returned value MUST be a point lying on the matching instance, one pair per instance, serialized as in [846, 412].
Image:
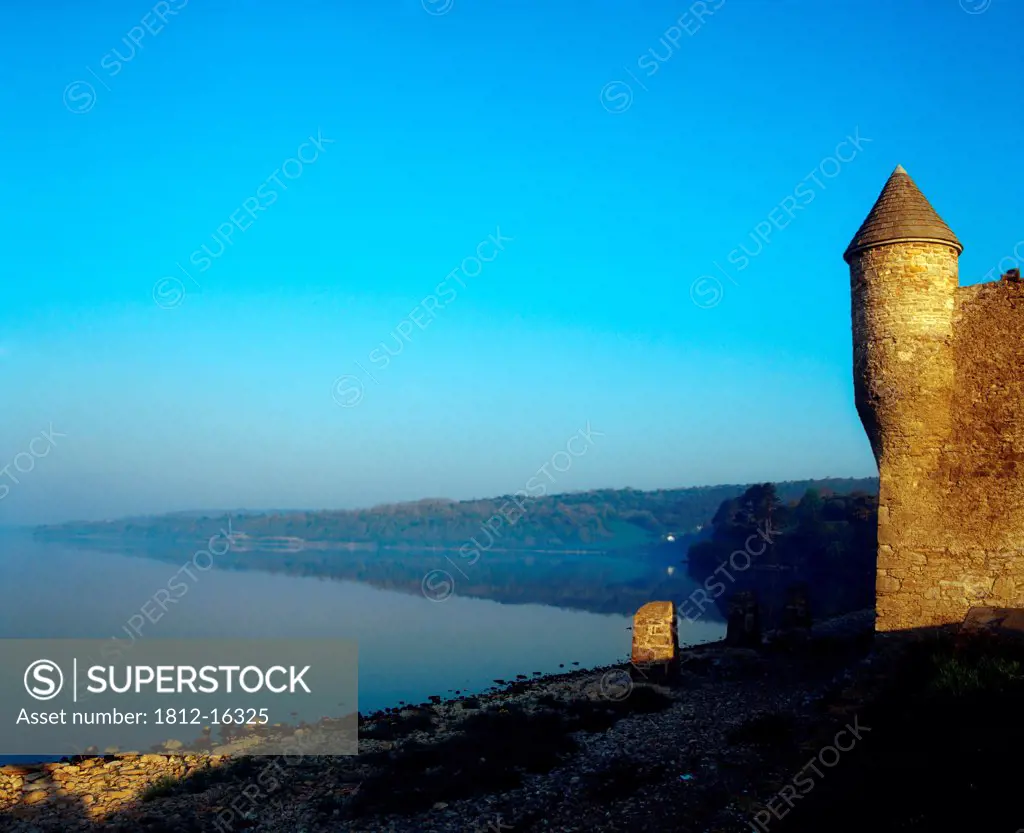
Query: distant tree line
[598, 519]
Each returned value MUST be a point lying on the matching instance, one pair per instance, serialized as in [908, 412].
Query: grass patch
[209, 776]
[961, 677]
[162, 787]
[941, 753]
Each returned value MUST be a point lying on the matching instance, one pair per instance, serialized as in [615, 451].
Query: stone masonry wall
[939, 389]
[91, 788]
[904, 370]
[984, 524]
[655, 636]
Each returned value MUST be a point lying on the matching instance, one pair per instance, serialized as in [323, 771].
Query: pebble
[690, 736]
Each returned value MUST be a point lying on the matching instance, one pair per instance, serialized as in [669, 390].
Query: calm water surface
[409, 647]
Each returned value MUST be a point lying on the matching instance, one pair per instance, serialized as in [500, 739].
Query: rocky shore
[87, 788]
[601, 749]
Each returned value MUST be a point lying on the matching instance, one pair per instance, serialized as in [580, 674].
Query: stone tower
[939, 388]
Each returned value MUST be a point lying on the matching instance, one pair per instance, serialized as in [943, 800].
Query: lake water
[409, 646]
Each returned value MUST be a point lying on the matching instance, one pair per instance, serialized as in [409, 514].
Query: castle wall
[92, 788]
[939, 374]
[984, 521]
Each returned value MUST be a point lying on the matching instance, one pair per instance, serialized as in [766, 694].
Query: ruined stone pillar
[655, 640]
[744, 625]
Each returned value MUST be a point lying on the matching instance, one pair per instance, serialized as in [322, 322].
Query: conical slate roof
[902, 214]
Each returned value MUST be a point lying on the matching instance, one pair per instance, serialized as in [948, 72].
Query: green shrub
[162, 787]
[959, 677]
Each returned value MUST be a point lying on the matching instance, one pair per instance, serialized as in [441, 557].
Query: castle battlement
[939, 387]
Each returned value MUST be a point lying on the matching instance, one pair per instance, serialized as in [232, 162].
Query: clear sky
[320, 351]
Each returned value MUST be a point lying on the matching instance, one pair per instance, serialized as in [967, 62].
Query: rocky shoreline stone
[601, 748]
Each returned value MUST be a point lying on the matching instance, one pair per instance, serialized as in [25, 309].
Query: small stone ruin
[655, 639]
[744, 625]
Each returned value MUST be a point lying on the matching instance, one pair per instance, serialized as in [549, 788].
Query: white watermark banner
[217, 696]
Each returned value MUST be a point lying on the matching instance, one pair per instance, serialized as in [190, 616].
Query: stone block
[654, 634]
[887, 584]
[744, 624]
[999, 622]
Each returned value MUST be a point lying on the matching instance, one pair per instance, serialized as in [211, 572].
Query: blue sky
[623, 153]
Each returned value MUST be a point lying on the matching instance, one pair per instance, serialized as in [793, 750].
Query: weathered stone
[887, 584]
[939, 387]
[655, 638]
[744, 625]
[99, 785]
[1004, 587]
[995, 620]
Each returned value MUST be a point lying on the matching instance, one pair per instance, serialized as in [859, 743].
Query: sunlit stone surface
[654, 634]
